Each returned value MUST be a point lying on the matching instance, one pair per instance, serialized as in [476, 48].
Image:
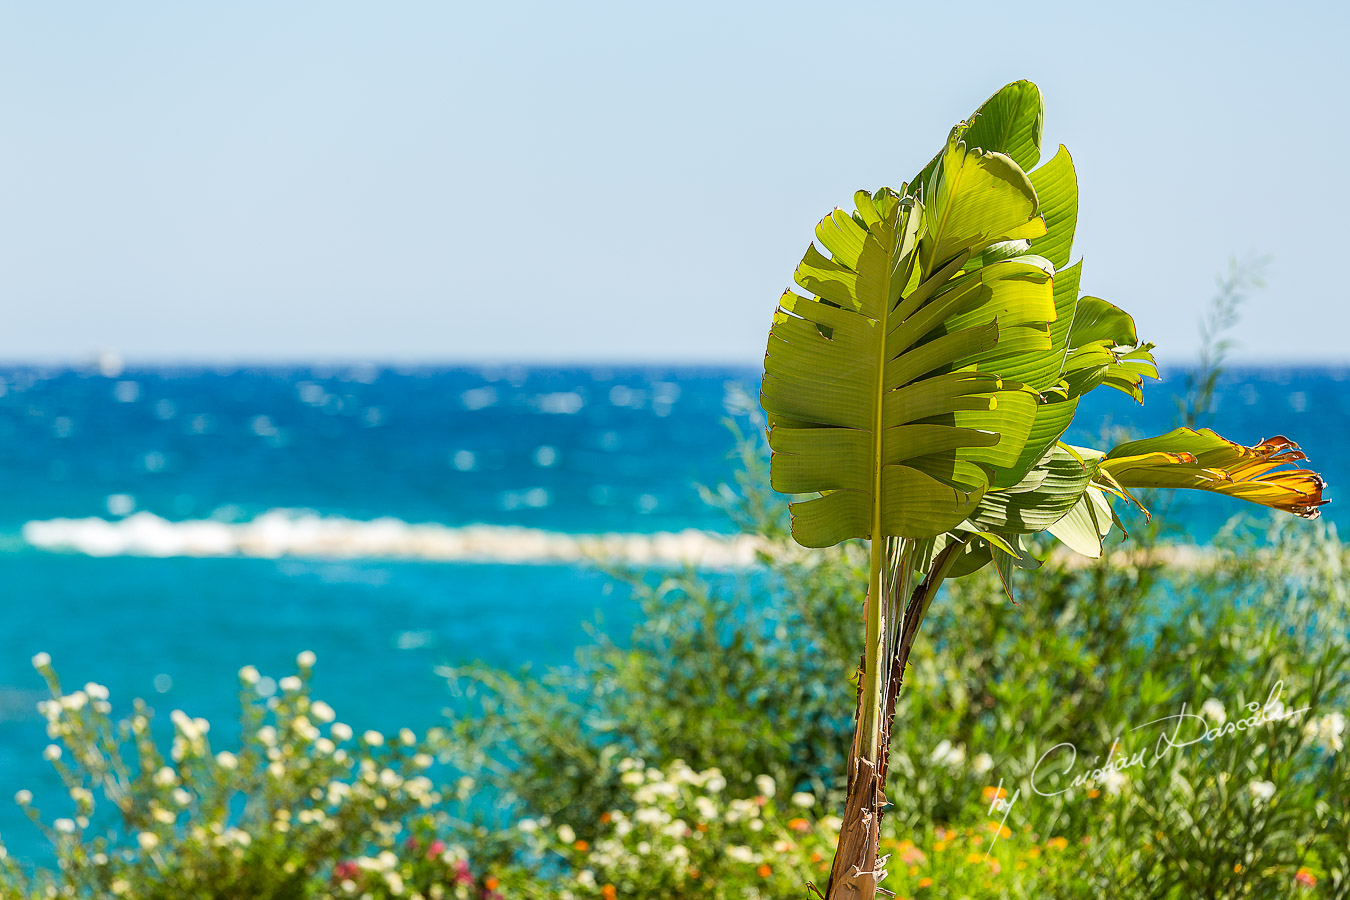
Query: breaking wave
[280, 533]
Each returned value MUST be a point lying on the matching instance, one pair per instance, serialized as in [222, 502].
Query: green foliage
[1093, 652]
[921, 390]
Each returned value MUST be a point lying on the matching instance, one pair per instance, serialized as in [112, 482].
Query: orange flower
[605, 817]
[1094, 794]
[582, 846]
[608, 892]
[1057, 843]
[799, 825]
[1305, 877]
[925, 881]
[816, 857]
[491, 882]
[990, 792]
[764, 871]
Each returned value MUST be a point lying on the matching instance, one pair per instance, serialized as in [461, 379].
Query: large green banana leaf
[924, 387]
[885, 390]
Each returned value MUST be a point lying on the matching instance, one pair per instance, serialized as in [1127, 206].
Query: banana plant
[917, 394]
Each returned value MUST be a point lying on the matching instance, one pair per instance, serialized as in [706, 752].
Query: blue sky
[435, 181]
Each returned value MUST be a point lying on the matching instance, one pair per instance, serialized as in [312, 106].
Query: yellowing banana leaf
[1203, 460]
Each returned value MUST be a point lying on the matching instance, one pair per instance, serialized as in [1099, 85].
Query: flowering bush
[683, 834]
[301, 808]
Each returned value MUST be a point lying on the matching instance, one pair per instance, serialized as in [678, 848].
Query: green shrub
[746, 674]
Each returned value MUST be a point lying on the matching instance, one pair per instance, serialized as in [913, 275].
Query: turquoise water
[560, 450]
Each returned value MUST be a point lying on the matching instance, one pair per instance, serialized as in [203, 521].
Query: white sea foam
[280, 533]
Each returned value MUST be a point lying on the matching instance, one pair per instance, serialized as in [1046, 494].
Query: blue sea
[160, 455]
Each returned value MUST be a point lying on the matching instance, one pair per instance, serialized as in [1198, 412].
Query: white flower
[528, 826]
[1262, 790]
[276, 770]
[803, 799]
[715, 783]
[340, 732]
[766, 785]
[41, 661]
[290, 684]
[306, 659]
[52, 753]
[185, 725]
[948, 755]
[227, 760]
[631, 778]
[181, 797]
[982, 763]
[650, 815]
[406, 737]
[248, 675]
[165, 777]
[65, 826]
[267, 735]
[1327, 731]
[148, 840]
[1214, 711]
[566, 834]
[321, 711]
[706, 808]
[586, 878]
[23, 798]
[303, 727]
[740, 853]
[96, 691]
[1114, 781]
[373, 738]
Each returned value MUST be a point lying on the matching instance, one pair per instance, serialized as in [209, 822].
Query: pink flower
[345, 870]
[436, 849]
[1305, 878]
[462, 873]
